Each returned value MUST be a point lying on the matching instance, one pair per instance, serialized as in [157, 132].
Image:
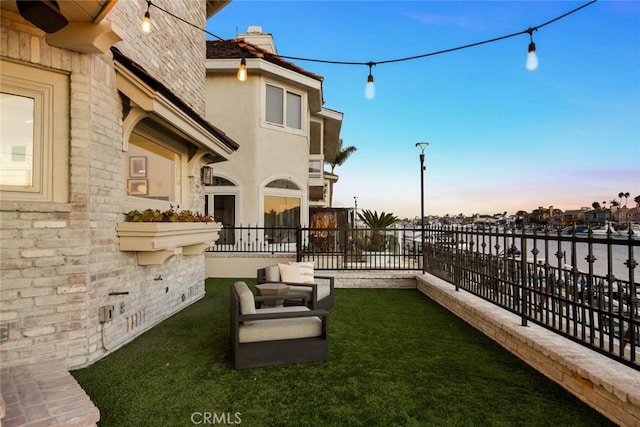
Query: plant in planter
[377, 242]
[158, 235]
[170, 215]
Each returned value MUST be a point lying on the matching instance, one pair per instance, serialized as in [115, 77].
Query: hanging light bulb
[146, 21]
[532, 59]
[242, 71]
[370, 90]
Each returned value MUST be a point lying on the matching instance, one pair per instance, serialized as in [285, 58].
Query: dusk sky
[501, 138]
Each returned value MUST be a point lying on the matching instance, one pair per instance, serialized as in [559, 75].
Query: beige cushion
[246, 299]
[281, 329]
[306, 270]
[272, 273]
[290, 273]
[293, 273]
[324, 290]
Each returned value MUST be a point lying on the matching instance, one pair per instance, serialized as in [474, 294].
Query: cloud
[435, 19]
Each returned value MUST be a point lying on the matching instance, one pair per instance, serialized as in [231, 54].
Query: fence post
[298, 243]
[524, 279]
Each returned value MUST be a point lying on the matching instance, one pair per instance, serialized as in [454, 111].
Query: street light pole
[355, 210]
[422, 146]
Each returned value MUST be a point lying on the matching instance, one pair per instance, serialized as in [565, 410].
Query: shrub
[170, 215]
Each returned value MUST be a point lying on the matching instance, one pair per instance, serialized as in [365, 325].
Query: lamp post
[355, 210]
[422, 146]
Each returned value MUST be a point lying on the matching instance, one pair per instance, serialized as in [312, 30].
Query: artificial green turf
[396, 358]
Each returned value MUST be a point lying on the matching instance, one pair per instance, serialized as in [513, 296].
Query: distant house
[286, 133]
[98, 119]
[597, 216]
[573, 216]
[633, 215]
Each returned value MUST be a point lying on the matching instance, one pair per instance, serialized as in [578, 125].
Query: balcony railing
[580, 286]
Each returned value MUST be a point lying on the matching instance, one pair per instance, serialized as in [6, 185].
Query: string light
[146, 21]
[370, 89]
[242, 71]
[532, 60]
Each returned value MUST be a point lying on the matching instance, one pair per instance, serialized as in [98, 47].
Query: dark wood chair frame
[276, 352]
[324, 304]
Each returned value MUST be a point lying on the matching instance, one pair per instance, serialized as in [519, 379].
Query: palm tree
[637, 200]
[621, 195]
[595, 205]
[341, 155]
[626, 197]
[377, 223]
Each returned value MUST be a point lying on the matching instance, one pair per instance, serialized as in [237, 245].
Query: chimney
[255, 36]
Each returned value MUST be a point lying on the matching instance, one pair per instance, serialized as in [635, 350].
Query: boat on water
[606, 230]
[578, 229]
[633, 229]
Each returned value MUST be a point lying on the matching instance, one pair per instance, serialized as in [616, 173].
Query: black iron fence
[582, 286]
[330, 248]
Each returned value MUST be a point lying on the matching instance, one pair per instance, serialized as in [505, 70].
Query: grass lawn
[396, 358]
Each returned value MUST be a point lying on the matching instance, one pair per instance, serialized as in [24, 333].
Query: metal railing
[581, 286]
[330, 248]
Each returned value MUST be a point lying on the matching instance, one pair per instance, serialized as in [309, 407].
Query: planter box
[155, 242]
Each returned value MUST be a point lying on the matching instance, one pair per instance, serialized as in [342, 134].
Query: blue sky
[501, 138]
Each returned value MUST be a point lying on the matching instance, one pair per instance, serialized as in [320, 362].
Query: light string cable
[150, 3]
[369, 64]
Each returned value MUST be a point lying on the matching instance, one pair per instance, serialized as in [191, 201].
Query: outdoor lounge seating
[299, 276]
[275, 336]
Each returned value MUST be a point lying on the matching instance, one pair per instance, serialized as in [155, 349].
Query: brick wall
[60, 261]
[173, 52]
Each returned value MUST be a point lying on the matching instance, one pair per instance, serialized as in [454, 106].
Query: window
[283, 108]
[17, 139]
[220, 201]
[282, 203]
[281, 212]
[34, 134]
[154, 170]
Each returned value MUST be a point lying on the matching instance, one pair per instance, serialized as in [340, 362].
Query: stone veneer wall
[60, 261]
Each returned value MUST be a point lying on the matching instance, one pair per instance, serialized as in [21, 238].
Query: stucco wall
[266, 152]
[60, 261]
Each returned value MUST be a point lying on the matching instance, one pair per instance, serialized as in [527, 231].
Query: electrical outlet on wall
[105, 313]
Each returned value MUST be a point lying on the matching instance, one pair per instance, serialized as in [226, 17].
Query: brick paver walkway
[44, 394]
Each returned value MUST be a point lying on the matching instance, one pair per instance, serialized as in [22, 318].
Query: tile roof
[237, 49]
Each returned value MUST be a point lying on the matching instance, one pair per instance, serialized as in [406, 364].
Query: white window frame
[227, 190]
[50, 91]
[268, 191]
[284, 126]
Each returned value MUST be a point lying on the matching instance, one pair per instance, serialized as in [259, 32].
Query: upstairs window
[283, 108]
